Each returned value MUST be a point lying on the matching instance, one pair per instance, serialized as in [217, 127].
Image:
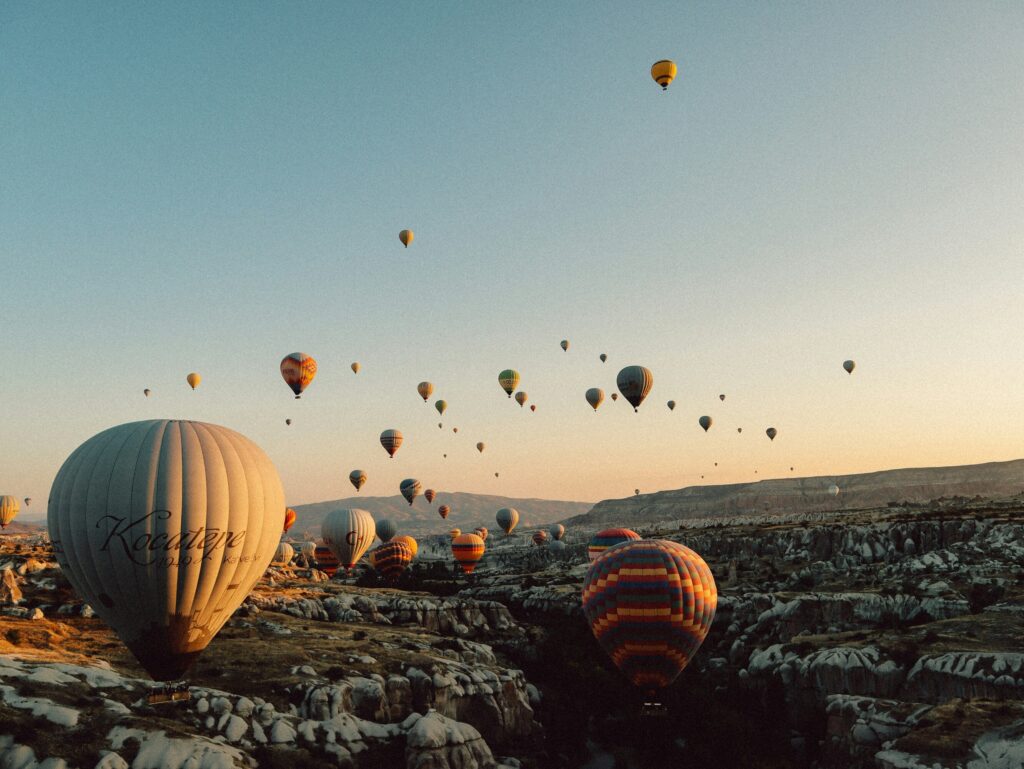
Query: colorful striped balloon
[298, 370]
[482, 532]
[443, 511]
[390, 559]
[509, 381]
[9, 507]
[430, 494]
[635, 382]
[409, 542]
[454, 533]
[468, 549]
[326, 560]
[391, 440]
[608, 538]
[650, 605]
[540, 537]
[410, 489]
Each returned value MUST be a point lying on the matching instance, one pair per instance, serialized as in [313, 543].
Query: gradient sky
[209, 186]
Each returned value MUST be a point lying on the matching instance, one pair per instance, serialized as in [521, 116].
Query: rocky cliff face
[797, 495]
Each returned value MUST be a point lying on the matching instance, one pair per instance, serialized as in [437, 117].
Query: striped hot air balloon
[357, 478]
[454, 533]
[9, 507]
[443, 511]
[650, 605]
[289, 519]
[507, 519]
[308, 549]
[298, 370]
[509, 381]
[409, 542]
[468, 549]
[521, 398]
[390, 559]
[386, 529]
[326, 560]
[410, 489]
[540, 537]
[608, 538]
[348, 533]
[391, 440]
[557, 531]
[482, 532]
[634, 382]
[425, 389]
[430, 494]
[406, 236]
[284, 554]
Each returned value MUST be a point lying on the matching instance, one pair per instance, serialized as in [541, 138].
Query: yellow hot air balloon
[355, 367]
[8, 509]
[406, 237]
[441, 406]
[193, 380]
[594, 396]
[509, 381]
[298, 370]
[664, 72]
[425, 389]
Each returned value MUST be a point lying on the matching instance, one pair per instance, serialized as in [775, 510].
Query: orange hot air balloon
[406, 236]
[650, 605]
[391, 559]
[298, 370]
[533, 407]
[391, 440]
[425, 389]
[409, 542]
[193, 380]
[289, 519]
[443, 511]
[454, 533]
[521, 398]
[482, 532]
[430, 494]
[468, 549]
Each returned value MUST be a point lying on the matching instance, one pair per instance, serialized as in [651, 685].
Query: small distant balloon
[521, 398]
[289, 519]
[28, 501]
[833, 490]
[441, 406]
[288, 422]
[849, 365]
[443, 511]
[533, 407]
[771, 432]
[615, 396]
[705, 422]
[425, 389]
[147, 392]
[298, 370]
[355, 367]
[481, 446]
[603, 357]
[430, 494]
[406, 236]
[664, 72]
[455, 429]
[410, 488]
[468, 549]
[386, 529]
[595, 397]
[391, 440]
[739, 429]
[509, 381]
[557, 531]
[636, 492]
[671, 405]
[721, 397]
[507, 518]
[193, 380]
[565, 344]
[357, 478]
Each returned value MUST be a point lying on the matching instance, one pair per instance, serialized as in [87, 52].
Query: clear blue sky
[209, 186]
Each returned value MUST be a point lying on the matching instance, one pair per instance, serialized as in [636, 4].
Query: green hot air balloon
[671, 405]
[603, 357]
[441, 407]
[849, 365]
[565, 345]
[509, 381]
[705, 422]
[635, 382]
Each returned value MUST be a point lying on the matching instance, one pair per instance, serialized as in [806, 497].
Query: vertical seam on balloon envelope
[149, 590]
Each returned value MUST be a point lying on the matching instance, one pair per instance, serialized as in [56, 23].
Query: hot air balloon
[495, 475]
[507, 519]
[482, 532]
[557, 531]
[147, 392]
[289, 519]
[326, 561]
[521, 398]
[833, 490]
[721, 397]
[355, 367]
[533, 407]
[849, 365]
[391, 440]
[284, 554]
[652, 626]
[540, 537]
[298, 370]
[410, 488]
[468, 549]
[409, 542]
[455, 430]
[771, 432]
[454, 533]
[180, 522]
[439, 425]
[308, 550]
[481, 446]
[609, 538]
[556, 546]
[193, 380]
[637, 492]
[565, 345]
[430, 494]
[425, 389]
[9, 508]
[288, 422]
[443, 511]
[705, 422]
[406, 237]
[664, 72]
[739, 429]
[386, 529]
[357, 478]
[634, 382]
[390, 559]
[509, 381]
[615, 396]
[595, 397]
[671, 405]
[441, 406]
[603, 357]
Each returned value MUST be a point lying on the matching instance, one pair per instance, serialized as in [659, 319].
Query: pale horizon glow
[208, 187]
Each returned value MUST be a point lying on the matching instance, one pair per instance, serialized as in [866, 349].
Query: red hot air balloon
[650, 605]
[289, 519]
[430, 494]
[540, 537]
[468, 549]
[609, 537]
[326, 560]
[390, 559]
[443, 511]
[391, 440]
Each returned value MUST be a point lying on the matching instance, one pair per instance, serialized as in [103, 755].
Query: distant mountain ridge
[468, 512]
[800, 495]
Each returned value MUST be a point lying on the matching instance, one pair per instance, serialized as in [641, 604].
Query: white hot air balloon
[349, 533]
[164, 527]
[284, 554]
[308, 549]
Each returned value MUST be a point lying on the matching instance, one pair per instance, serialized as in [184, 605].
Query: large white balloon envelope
[164, 527]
